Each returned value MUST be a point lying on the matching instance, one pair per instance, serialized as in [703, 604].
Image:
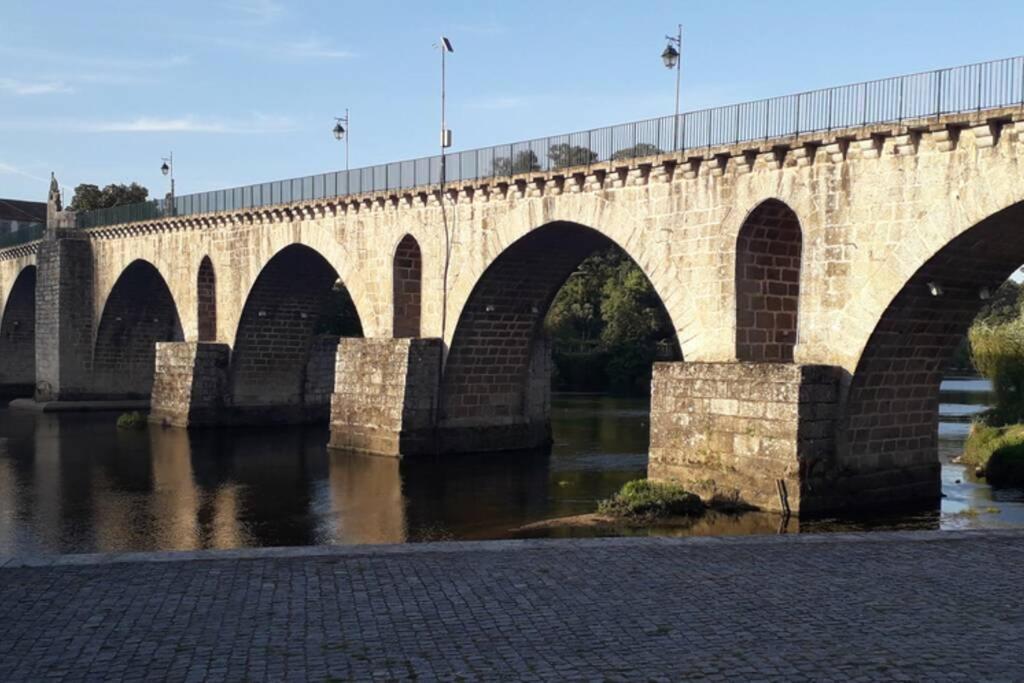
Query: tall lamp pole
[671, 58]
[445, 46]
[167, 168]
[341, 131]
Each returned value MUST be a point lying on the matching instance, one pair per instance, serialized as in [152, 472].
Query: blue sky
[245, 90]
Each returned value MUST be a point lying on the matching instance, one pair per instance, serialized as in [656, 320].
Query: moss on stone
[642, 498]
[132, 420]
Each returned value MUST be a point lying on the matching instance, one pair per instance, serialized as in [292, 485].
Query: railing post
[938, 95]
[980, 66]
[767, 117]
[864, 113]
[796, 127]
[828, 110]
[900, 114]
[737, 124]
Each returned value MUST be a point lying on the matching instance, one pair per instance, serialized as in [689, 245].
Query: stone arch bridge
[818, 285]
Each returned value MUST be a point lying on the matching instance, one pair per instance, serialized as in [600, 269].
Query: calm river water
[75, 483]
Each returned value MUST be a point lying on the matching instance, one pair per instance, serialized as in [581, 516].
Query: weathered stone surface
[762, 434]
[190, 387]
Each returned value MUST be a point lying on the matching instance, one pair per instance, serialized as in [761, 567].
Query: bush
[133, 420]
[1006, 466]
[997, 351]
[649, 499]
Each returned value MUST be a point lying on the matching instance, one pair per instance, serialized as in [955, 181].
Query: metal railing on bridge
[975, 87]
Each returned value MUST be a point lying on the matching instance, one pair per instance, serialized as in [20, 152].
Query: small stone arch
[139, 312]
[206, 301]
[18, 334]
[407, 288]
[769, 248]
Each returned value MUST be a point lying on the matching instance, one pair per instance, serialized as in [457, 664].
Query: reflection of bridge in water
[819, 256]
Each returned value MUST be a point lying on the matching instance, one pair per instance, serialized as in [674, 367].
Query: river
[73, 483]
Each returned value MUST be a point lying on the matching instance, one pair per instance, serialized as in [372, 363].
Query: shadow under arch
[769, 246]
[407, 288]
[496, 378]
[18, 337]
[282, 366]
[139, 312]
[206, 301]
[888, 447]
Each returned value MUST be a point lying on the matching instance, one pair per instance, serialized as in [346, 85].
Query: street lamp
[167, 168]
[672, 61]
[341, 131]
[445, 47]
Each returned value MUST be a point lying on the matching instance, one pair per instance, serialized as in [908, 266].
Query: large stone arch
[407, 288]
[138, 312]
[497, 373]
[890, 420]
[18, 335]
[283, 356]
[769, 247]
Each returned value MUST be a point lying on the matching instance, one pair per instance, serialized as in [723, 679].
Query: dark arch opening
[206, 296]
[282, 367]
[498, 369]
[18, 336]
[768, 251]
[407, 288]
[892, 407]
[139, 312]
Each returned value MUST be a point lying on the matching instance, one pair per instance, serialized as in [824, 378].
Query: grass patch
[642, 498]
[132, 420]
[984, 440]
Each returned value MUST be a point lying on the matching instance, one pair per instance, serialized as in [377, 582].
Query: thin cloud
[314, 48]
[257, 11]
[11, 169]
[257, 123]
[86, 61]
[44, 87]
[311, 48]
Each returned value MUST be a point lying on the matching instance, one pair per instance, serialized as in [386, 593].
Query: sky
[245, 91]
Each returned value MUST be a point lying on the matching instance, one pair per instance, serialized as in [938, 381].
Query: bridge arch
[138, 312]
[497, 370]
[18, 333]
[891, 412]
[206, 301]
[769, 250]
[407, 288]
[285, 344]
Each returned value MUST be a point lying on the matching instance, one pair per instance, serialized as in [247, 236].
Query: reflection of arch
[138, 313]
[892, 405]
[496, 372]
[18, 332]
[768, 251]
[407, 288]
[206, 296]
[288, 331]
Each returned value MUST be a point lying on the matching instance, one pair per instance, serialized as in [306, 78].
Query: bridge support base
[385, 396]
[190, 384]
[761, 434]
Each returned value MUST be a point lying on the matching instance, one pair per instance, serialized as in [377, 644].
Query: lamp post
[445, 46]
[341, 131]
[167, 168]
[671, 58]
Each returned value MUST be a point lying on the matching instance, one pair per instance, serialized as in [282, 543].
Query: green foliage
[565, 155]
[90, 197]
[984, 440]
[1006, 466]
[643, 149]
[642, 498]
[132, 420]
[523, 162]
[607, 324]
[997, 351]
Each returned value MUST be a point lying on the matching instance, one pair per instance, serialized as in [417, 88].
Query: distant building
[17, 215]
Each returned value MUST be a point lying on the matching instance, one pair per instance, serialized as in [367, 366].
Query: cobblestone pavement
[881, 606]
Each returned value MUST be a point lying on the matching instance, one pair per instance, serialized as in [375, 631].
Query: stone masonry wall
[385, 395]
[190, 383]
[734, 431]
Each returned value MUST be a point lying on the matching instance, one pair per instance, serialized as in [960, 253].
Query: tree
[564, 155]
[524, 162]
[643, 149]
[90, 197]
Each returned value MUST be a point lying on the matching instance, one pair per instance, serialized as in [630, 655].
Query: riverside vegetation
[995, 446]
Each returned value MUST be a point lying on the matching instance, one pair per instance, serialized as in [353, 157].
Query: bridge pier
[190, 384]
[64, 320]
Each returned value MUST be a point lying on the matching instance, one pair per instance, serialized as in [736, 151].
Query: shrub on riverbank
[650, 499]
[1006, 466]
[133, 420]
[998, 451]
[997, 351]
